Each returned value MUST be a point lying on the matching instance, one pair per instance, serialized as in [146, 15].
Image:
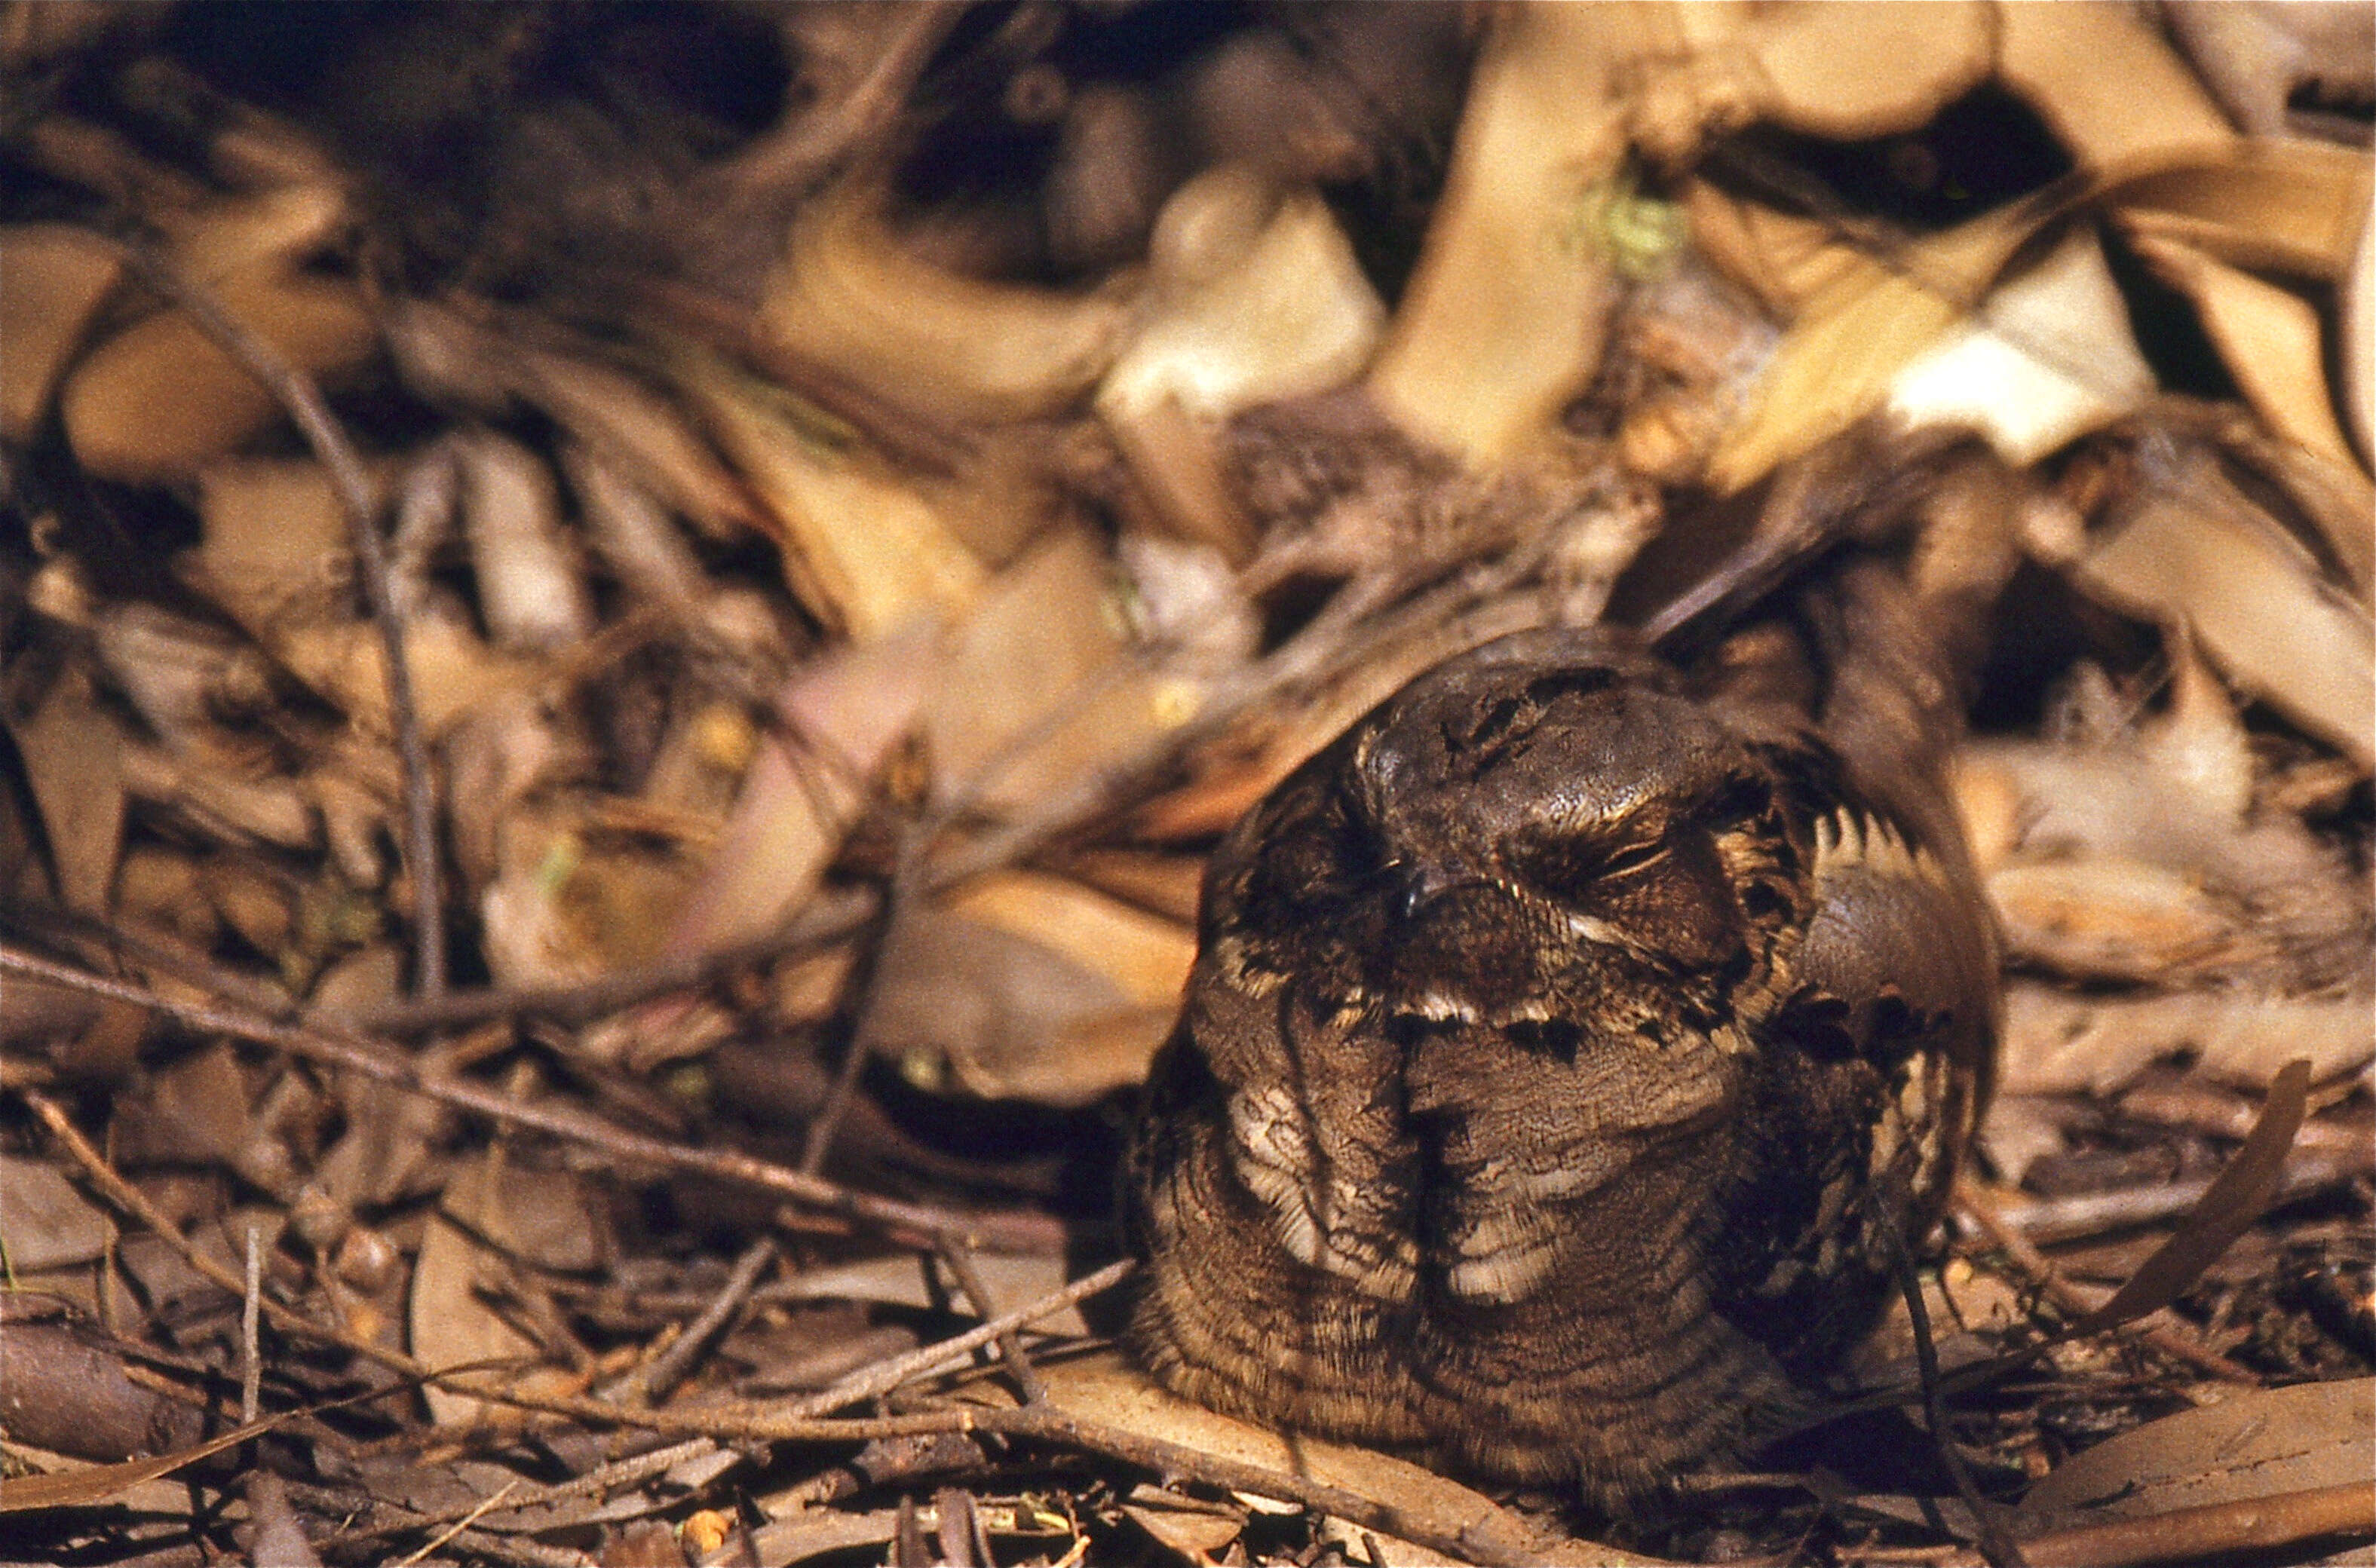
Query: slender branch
[828, 919]
[655, 1379]
[1995, 1545]
[1010, 1345]
[297, 392]
[2074, 1299]
[374, 1060]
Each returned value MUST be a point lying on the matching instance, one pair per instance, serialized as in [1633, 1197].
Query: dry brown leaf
[2106, 80]
[451, 1325]
[2057, 1041]
[1030, 987]
[455, 354]
[73, 755]
[1030, 699]
[1500, 326]
[2270, 340]
[1013, 1278]
[569, 903]
[160, 400]
[47, 1221]
[2227, 1209]
[2194, 548]
[58, 277]
[2252, 1444]
[865, 550]
[95, 1484]
[276, 559]
[261, 233]
[1191, 1527]
[843, 715]
[1145, 957]
[848, 297]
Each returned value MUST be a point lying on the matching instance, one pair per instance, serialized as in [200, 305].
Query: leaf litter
[646, 949]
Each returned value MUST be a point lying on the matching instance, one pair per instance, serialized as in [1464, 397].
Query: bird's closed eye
[1632, 857]
[1573, 869]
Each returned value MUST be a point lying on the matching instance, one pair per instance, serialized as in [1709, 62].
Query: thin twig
[2076, 1300]
[1177, 1461]
[944, 1355]
[1452, 617]
[658, 1377]
[2308, 1170]
[959, 1258]
[251, 1365]
[297, 393]
[827, 919]
[477, 1510]
[373, 1060]
[898, 898]
[795, 1423]
[1995, 1544]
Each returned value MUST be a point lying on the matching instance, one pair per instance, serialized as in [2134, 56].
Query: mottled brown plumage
[1561, 1042]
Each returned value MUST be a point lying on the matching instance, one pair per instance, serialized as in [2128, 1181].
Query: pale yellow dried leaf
[160, 400]
[2269, 339]
[529, 570]
[1837, 360]
[2289, 207]
[2258, 1443]
[848, 297]
[72, 750]
[1031, 699]
[2112, 917]
[864, 549]
[451, 1327]
[52, 280]
[1283, 312]
[2359, 334]
[2104, 81]
[844, 713]
[2047, 358]
[1145, 957]
[2061, 1042]
[2256, 603]
[1850, 70]
[1500, 327]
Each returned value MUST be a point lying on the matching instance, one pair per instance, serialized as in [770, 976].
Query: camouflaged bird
[1563, 1046]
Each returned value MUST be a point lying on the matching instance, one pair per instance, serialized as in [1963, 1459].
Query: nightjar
[1564, 1043]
